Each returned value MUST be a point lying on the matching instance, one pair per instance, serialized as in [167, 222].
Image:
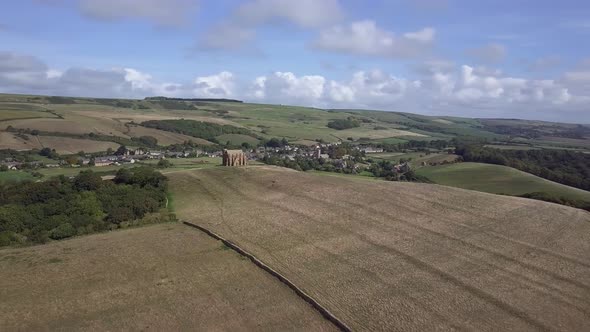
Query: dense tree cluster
[415, 145]
[386, 169]
[27, 155]
[194, 128]
[563, 166]
[543, 196]
[341, 124]
[306, 164]
[538, 130]
[36, 212]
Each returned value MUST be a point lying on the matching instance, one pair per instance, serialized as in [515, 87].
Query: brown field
[73, 125]
[403, 256]
[98, 111]
[10, 141]
[160, 278]
[63, 145]
[8, 114]
[164, 137]
[66, 145]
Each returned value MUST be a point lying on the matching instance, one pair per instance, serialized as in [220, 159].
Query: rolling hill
[497, 179]
[403, 256]
[67, 116]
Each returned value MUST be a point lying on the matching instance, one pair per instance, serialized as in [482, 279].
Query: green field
[415, 158]
[237, 139]
[14, 176]
[497, 180]
[109, 117]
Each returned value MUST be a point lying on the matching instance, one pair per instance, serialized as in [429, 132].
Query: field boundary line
[302, 294]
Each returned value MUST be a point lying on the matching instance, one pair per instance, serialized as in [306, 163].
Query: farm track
[397, 256]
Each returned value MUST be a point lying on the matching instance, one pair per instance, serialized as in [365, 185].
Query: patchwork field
[160, 277]
[109, 116]
[497, 179]
[66, 145]
[164, 137]
[403, 256]
[63, 145]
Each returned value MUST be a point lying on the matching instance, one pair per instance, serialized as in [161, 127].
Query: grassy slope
[84, 115]
[160, 277]
[403, 256]
[497, 179]
[15, 176]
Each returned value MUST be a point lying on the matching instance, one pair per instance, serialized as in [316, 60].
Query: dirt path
[402, 256]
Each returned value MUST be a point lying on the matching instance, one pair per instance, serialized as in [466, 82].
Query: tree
[121, 150]
[149, 141]
[72, 160]
[45, 152]
[164, 163]
[87, 180]
[62, 231]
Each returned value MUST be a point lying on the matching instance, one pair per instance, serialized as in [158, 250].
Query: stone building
[234, 158]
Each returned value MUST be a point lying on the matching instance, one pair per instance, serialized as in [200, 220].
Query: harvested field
[403, 256]
[10, 141]
[72, 125]
[66, 145]
[164, 137]
[160, 278]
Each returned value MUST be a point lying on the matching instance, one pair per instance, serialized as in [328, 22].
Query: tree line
[562, 166]
[199, 129]
[38, 212]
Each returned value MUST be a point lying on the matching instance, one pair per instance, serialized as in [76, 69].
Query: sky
[503, 58]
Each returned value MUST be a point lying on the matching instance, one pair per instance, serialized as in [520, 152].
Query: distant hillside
[110, 117]
[195, 99]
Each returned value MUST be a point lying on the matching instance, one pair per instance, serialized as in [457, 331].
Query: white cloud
[227, 36]
[577, 76]
[442, 89]
[304, 13]
[490, 53]
[236, 31]
[54, 73]
[161, 12]
[425, 35]
[366, 38]
[285, 86]
[220, 85]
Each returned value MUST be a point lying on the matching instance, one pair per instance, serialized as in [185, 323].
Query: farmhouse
[234, 158]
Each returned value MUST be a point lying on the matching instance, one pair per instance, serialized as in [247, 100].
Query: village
[339, 157]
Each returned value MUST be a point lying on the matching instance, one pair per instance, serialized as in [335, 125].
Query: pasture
[237, 139]
[403, 256]
[497, 179]
[15, 176]
[164, 137]
[159, 277]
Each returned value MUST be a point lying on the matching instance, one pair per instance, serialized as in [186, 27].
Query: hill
[403, 256]
[497, 179]
[117, 118]
[160, 277]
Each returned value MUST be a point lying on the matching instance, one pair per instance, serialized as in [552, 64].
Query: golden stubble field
[165, 277]
[403, 256]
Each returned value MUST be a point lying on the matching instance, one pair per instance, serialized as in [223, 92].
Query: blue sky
[520, 59]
